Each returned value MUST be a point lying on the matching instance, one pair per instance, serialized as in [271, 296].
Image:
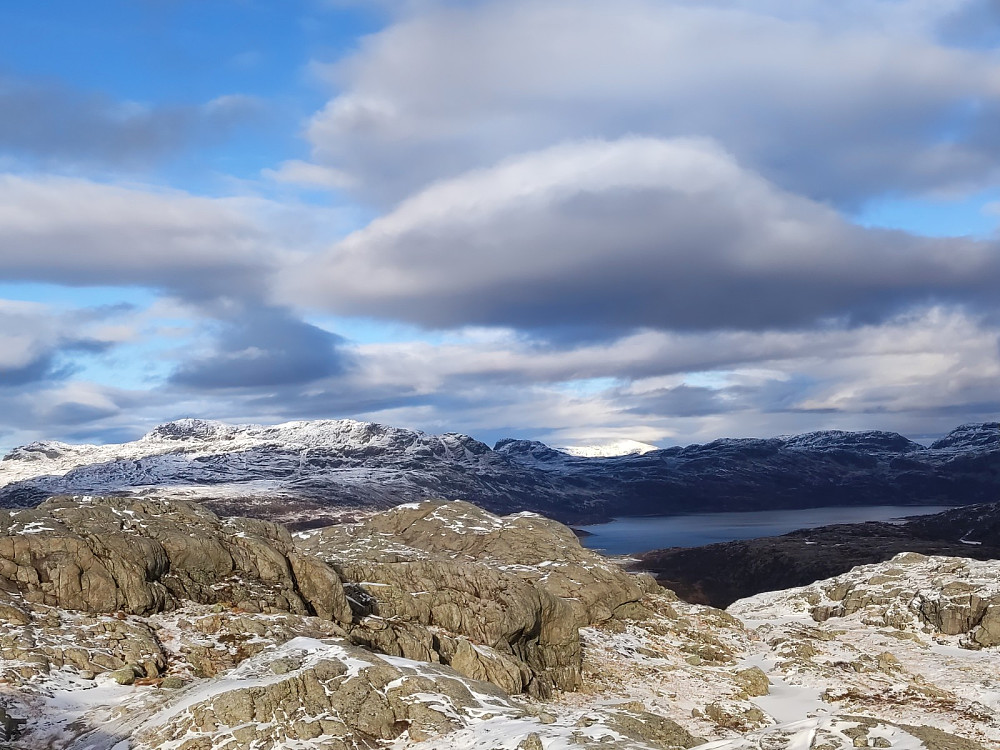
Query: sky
[568, 220]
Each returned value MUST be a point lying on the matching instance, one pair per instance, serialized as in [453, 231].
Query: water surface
[639, 534]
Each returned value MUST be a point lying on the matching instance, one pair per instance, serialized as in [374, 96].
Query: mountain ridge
[306, 469]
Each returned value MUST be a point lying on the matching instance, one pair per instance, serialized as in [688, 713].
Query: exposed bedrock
[521, 585]
[140, 557]
[498, 599]
[950, 595]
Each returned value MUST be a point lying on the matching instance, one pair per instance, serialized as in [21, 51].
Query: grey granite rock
[144, 556]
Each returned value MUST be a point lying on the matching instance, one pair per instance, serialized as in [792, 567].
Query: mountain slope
[311, 469]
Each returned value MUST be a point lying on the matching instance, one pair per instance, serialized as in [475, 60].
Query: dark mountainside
[314, 472]
[816, 469]
[719, 574]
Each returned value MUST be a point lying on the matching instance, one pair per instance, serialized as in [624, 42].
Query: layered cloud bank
[569, 220]
[640, 232]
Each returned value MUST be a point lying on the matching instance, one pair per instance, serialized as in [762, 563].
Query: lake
[626, 535]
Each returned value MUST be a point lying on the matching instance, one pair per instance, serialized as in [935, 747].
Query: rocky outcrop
[308, 689]
[877, 646]
[217, 678]
[452, 610]
[476, 606]
[500, 600]
[525, 545]
[116, 554]
[43, 640]
[504, 597]
[948, 596]
[951, 596]
[341, 697]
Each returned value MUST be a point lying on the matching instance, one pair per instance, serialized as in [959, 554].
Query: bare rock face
[34, 644]
[119, 554]
[517, 588]
[475, 604]
[525, 545]
[308, 689]
[498, 599]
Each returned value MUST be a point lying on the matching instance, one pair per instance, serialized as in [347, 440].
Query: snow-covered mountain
[291, 468]
[304, 469]
[623, 447]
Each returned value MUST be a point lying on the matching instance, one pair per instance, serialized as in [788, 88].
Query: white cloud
[836, 101]
[304, 174]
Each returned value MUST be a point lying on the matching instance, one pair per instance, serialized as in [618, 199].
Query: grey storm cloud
[771, 395]
[50, 364]
[50, 121]
[41, 368]
[338, 399]
[835, 101]
[72, 413]
[664, 234]
[38, 345]
[82, 233]
[264, 347]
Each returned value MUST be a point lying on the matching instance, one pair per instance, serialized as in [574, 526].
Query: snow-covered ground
[688, 664]
[904, 654]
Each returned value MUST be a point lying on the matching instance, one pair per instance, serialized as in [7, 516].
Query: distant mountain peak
[187, 429]
[973, 435]
[38, 451]
[623, 447]
[861, 440]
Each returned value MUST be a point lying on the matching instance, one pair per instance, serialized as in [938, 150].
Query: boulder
[753, 682]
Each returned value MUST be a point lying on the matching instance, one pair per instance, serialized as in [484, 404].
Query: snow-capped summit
[980, 435]
[188, 429]
[39, 451]
[624, 447]
[295, 469]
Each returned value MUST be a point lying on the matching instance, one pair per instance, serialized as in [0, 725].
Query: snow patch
[609, 450]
